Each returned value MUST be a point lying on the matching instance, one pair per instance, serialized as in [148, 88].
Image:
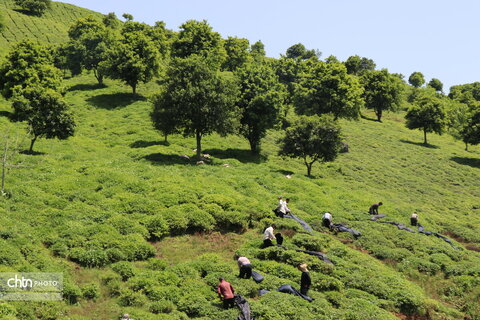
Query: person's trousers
[228, 303]
[326, 223]
[413, 221]
[245, 271]
[304, 290]
[267, 243]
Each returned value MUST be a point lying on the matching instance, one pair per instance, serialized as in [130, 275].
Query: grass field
[95, 190]
[136, 228]
[51, 27]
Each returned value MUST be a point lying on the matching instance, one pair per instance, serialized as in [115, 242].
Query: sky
[438, 38]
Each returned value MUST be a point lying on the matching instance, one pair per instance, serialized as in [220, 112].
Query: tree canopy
[260, 102]
[45, 112]
[237, 53]
[416, 79]
[312, 138]
[197, 37]
[298, 51]
[202, 100]
[382, 91]
[28, 64]
[327, 88]
[436, 84]
[357, 65]
[36, 7]
[427, 114]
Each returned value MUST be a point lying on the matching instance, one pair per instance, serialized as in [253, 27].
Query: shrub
[128, 298]
[124, 269]
[312, 243]
[71, 292]
[156, 264]
[162, 306]
[177, 220]
[91, 291]
[89, 258]
[157, 227]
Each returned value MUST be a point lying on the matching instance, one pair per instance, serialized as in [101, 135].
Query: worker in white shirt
[268, 236]
[327, 220]
[414, 219]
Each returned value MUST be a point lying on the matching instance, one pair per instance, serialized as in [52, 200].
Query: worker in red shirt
[226, 293]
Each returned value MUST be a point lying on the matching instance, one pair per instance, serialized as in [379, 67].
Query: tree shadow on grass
[114, 100]
[86, 87]
[368, 118]
[244, 156]
[472, 162]
[284, 172]
[166, 159]
[33, 153]
[6, 114]
[146, 144]
[26, 12]
[431, 146]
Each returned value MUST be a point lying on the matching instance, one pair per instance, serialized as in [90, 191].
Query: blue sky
[439, 38]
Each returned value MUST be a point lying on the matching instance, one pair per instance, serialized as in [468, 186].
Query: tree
[36, 7]
[45, 112]
[298, 51]
[427, 114]
[260, 102]
[111, 21]
[202, 99]
[28, 64]
[197, 37]
[327, 88]
[312, 139]
[127, 17]
[463, 123]
[134, 59]
[382, 91]
[357, 65]
[436, 84]
[466, 93]
[257, 50]
[237, 53]
[88, 46]
[416, 79]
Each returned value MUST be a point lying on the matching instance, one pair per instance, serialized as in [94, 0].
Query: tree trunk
[199, 146]
[31, 144]
[4, 163]
[425, 137]
[134, 88]
[378, 112]
[166, 136]
[253, 146]
[309, 169]
[466, 146]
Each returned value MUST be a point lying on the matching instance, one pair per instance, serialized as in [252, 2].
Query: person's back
[268, 236]
[226, 293]
[327, 220]
[414, 219]
[374, 208]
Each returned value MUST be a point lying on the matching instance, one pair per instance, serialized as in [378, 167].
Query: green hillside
[97, 191]
[136, 228]
[51, 27]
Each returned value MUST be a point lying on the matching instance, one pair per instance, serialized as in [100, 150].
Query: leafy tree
[36, 7]
[358, 65]
[436, 84]
[327, 88]
[460, 122]
[28, 64]
[257, 50]
[127, 16]
[68, 56]
[197, 37]
[134, 59]
[45, 112]
[416, 79]
[202, 99]
[382, 91]
[88, 46]
[427, 114]
[111, 21]
[260, 102]
[332, 59]
[466, 93]
[164, 117]
[312, 139]
[237, 53]
[471, 132]
[298, 51]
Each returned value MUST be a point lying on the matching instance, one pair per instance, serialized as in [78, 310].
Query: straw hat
[303, 267]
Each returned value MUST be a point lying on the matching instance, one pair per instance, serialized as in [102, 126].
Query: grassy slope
[51, 27]
[115, 164]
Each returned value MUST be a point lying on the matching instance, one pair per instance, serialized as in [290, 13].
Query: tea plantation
[136, 228]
